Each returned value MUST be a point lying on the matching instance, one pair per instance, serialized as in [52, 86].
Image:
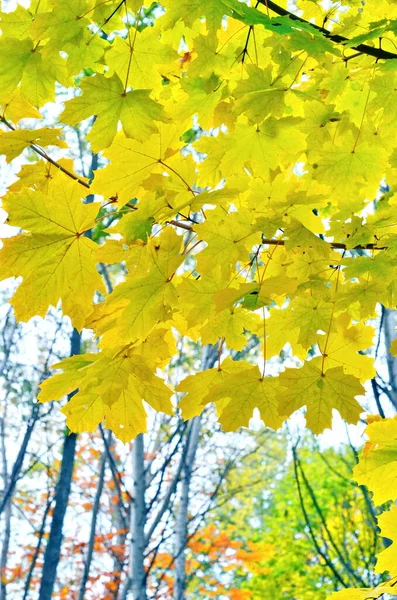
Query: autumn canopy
[243, 180]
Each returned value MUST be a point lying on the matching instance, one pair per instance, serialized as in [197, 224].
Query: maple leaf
[111, 387]
[142, 59]
[377, 466]
[229, 239]
[341, 348]
[320, 392]
[156, 156]
[236, 388]
[189, 12]
[341, 163]
[12, 143]
[270, 143]
[126, 417]
[232, 325]
[52, 255]
[200, 96]
[35, 69]
[387, 559]
[281, 329]
[60, 22]
[106, 98]
[145, 300]
[240, 393]
[64, 383]
[198, 296]
[84, 411]
[16, 23]
[365, 593]
[305, 316]
[257, 97]
[16, 107]
[198, 386]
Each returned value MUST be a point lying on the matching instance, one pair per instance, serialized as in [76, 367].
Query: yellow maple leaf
[12, 143]
[366, 593]
[41, 175]
[228, 238]
[320, 392]
[340, 348]
[212, 10]
[198, 386]
[239, 394]
[135, 306]
[61, 384]
[126, 417]
[272, 144]
[237, 388]
[106, 98]
[111, 386]
[198, 296]
[62, 22]
[258, 96]
[347, 168]
[84, 411]
[142, 59]
[377, 466]
[54, 258]
[133, 162]
[230, 324]
[15, 107]
[35, 69]
[387, 559]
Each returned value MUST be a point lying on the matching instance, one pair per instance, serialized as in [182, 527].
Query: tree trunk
[62, 492]
[36, 554]
[7, 512]
[138, 519]
[136, 581]
[183, 509]
[210, 355]
[17, 466]
[94, 518]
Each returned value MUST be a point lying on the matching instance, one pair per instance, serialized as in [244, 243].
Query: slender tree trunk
[17, 466]
[7, 512]
[120, 516]
[210, 355]
[8, 342]
[138, 520]
[136, 581]
[62, 492]
[4, 551]
[41, 533]
[183, 508]
[95, 512]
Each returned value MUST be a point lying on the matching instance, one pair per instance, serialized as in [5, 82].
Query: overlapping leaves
[240, 152]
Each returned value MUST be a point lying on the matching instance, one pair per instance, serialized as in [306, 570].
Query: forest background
[199, 241]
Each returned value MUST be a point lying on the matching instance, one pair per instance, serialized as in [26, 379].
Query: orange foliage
[236, 594]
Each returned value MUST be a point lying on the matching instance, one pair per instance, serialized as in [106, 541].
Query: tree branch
[323, 555]
[44, 154]
[346, 564]
[378, 53]
[278, 242]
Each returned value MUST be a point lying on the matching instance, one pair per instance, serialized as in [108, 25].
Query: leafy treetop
[245, 149]
[247, 189]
